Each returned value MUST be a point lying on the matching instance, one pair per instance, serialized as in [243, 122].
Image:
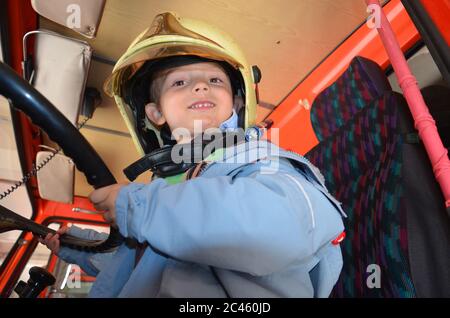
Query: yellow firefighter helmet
[171, 36]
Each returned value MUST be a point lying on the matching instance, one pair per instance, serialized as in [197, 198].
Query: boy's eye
[178, 83]
[216, 80]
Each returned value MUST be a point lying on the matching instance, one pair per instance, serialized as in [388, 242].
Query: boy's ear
[154, 115]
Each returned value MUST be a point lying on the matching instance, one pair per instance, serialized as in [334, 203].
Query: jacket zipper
[311, 211]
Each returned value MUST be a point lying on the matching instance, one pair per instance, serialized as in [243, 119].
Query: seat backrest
[362, 82]
[398, 233]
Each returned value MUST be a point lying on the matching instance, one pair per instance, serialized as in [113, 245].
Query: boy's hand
[104, 199]
[52, 240]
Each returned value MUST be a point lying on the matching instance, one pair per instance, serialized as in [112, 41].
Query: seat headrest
[360, 84]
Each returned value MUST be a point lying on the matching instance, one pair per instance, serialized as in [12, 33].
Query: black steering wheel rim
[44, 114]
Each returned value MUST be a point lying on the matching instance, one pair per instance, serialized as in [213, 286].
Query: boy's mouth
[202, 105]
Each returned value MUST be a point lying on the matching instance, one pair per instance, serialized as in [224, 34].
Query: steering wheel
[44, 114]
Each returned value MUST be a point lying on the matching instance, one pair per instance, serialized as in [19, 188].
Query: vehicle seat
[361, 83]
[374, 163]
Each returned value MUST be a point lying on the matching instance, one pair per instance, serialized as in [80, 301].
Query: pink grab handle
[423, 121]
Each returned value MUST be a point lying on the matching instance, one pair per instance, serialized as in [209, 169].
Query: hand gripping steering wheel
[26, 98]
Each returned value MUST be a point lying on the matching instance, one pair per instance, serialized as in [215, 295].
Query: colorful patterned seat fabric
[398, 233]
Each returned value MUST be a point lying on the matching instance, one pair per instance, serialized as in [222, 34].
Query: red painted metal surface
[23, 19]
[439, 12]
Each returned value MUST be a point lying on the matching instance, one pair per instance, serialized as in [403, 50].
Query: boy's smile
[202, 105]
[199, 94]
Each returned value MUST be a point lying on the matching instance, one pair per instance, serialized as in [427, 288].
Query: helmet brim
[128, 66]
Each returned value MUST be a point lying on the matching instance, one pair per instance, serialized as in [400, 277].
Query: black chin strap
[159, 162]
[163, 161]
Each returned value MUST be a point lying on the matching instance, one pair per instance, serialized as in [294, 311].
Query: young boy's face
[196, 92]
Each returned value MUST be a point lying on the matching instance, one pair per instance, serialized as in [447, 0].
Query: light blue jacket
[257, 222]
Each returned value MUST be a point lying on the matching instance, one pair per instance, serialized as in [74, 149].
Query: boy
[230, 226]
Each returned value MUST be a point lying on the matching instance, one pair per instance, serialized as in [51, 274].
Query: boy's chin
[202, 125]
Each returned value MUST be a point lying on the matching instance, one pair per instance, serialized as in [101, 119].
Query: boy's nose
[201, 87]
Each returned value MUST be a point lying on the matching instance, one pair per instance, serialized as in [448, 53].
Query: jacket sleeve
[257, 223]
[90, 263]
